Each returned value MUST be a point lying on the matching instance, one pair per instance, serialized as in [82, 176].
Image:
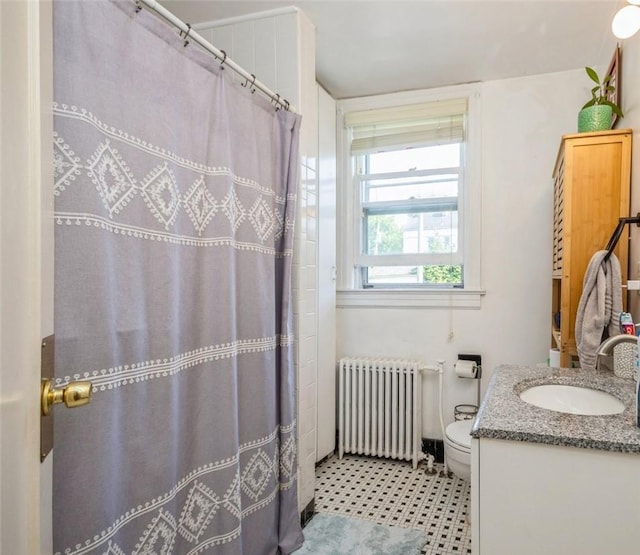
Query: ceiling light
[626, 22]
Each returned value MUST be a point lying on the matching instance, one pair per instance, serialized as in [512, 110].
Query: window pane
[425, 158]
[389, 275]
[385, 234]
[439, 230]
[445, 275]
[442, 274]
[405, 188]
[411, 232]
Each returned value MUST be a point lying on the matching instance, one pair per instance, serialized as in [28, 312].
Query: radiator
[380, 408]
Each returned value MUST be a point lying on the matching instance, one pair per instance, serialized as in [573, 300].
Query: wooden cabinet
[592, 180]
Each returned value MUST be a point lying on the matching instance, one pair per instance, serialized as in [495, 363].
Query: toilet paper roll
[466, 368]
[554, 358]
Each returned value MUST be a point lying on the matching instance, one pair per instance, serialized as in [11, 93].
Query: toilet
[457, 448]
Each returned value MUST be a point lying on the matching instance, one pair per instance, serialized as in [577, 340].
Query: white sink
[572, 399]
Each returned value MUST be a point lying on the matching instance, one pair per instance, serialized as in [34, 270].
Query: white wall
[630, 104]
[523, 120]
[279, 48]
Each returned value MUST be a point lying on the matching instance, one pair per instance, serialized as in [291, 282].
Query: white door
[26, 270]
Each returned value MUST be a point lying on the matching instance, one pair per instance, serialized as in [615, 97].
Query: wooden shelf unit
[592, 182]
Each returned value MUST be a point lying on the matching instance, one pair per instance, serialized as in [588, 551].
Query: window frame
[349, 283]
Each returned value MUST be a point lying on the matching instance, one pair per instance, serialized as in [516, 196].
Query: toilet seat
[459, 434]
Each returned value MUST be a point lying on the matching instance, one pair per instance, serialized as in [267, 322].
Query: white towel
[599, 307]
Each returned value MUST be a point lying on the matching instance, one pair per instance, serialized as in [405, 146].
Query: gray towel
[599, 307]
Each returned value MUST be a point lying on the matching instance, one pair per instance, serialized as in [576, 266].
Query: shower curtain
[175, 204]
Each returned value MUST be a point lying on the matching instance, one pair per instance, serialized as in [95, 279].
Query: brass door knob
[74, 394]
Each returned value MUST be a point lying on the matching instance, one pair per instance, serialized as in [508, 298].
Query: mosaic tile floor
[390, 492]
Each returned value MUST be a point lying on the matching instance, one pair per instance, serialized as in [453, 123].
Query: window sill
[410, 298]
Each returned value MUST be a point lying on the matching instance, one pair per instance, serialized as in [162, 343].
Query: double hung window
[408, 174]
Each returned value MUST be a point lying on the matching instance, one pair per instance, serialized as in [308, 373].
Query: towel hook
[613, 241]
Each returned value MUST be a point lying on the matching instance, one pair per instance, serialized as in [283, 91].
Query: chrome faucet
[605, 350]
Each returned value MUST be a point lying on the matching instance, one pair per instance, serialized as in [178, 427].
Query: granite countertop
[503, 415]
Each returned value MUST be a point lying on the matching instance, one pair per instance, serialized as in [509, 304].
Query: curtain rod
[221, 55]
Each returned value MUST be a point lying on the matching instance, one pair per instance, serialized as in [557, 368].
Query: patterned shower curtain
[175, 204]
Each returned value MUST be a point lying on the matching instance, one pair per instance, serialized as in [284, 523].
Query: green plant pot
[595, 118]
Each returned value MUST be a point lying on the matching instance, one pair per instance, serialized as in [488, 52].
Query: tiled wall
[307, 270]
[279, 48]
[266, 46]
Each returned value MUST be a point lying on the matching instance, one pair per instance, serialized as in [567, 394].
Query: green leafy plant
[442, 274]
[600, 91]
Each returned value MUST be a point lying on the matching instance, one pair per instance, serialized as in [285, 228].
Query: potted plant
[597, 113]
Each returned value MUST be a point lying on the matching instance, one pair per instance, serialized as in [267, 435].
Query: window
[405, 208]
[409, 210]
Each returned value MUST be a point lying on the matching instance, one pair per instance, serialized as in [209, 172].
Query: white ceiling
[367, 47]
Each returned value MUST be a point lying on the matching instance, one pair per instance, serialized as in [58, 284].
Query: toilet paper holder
[478, 360]
[474, 358]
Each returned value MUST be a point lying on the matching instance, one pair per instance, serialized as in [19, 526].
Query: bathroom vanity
[549, 482]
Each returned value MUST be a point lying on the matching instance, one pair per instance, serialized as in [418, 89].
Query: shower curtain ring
[276, 101]
[223, 59]
[246, 83]
[138, 6]
[287, 105]
[186, 34]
